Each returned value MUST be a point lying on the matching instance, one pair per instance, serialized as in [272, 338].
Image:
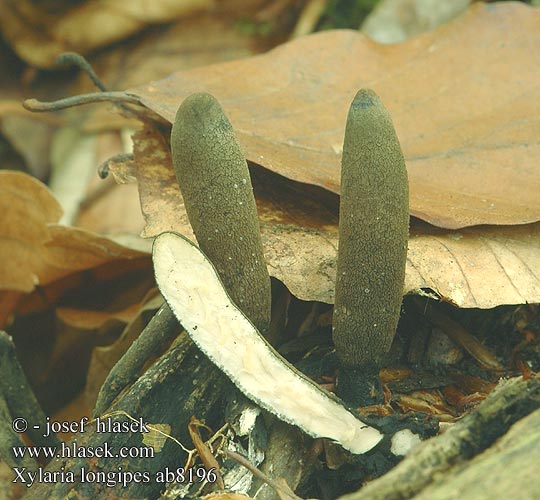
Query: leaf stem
[81, 62]
[69, 102]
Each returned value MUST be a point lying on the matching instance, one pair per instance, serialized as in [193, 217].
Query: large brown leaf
[474, 267]
[464, 98]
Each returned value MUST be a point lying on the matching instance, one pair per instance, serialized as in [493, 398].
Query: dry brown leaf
[473, 267]
[161, 202]
[33, 248]
[38, 33]
[69, 265]
[113, 210]
[132, 278]
[87, 319]
[464, 99]
[298, 223]
[478, 267]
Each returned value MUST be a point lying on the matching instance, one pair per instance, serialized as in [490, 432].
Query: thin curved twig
[69, 102]
[80, 61]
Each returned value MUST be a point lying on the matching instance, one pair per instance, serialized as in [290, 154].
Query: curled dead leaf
[33, 248]
[473, 267]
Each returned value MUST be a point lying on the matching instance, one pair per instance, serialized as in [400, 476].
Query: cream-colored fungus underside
[193, 290]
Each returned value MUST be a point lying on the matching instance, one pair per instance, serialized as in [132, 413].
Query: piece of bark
[20, 399]
[9, 440]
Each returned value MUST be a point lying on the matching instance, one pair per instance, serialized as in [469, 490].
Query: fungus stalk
[215, 184]
[373, 235]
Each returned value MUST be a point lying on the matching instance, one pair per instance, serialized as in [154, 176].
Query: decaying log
[501, 430]
[508, 469]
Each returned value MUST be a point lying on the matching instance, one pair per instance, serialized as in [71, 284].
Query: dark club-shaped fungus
[373, 235]
[215, 183]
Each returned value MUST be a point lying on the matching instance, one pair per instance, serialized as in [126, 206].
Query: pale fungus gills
[373, 235]
[215, 183]
[195, 293]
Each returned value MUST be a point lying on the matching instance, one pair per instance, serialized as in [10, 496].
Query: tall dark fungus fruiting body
[216, 186]
[373, 235]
